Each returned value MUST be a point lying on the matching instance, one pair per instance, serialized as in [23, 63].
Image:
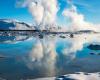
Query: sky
[89, 8]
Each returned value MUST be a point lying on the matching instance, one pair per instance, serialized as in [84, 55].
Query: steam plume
[77, 20]
[43, 11]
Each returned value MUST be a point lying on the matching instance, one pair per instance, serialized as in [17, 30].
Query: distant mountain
[8, 24]
[85, 31]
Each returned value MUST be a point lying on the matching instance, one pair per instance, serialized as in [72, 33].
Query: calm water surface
[31, 57]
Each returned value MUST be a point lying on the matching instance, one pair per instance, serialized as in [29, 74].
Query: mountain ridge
[13, 24]
[9, 24]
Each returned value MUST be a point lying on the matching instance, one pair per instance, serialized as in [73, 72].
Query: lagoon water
[31, 57]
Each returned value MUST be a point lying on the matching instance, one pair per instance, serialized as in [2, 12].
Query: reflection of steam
[49, 58]
[77, 43]
[13, 39]
[37, 52]
[43, 55]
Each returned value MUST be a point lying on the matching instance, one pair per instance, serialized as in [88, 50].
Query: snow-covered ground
[8, 24]
[76, 76]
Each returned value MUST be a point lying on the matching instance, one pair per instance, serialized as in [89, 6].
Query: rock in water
[94, 47]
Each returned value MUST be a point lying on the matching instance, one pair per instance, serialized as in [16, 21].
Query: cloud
[51, 8]
[37, 11]
[78, 21]
[43, 11]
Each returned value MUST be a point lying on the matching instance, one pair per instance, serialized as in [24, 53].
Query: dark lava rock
[86, 73]
[77, 72]
[41, 36]
[94, 47]
[62, 36]
[71, 35]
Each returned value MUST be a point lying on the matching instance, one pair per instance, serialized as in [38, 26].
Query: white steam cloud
[43, 11]
[77, 20]
[36, 11]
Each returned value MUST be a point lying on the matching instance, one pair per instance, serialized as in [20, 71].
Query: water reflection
[32, 57]
[13, 39]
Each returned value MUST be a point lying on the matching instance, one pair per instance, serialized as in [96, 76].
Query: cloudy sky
[88, 8]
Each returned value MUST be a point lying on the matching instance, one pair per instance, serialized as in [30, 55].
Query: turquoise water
[24, 57]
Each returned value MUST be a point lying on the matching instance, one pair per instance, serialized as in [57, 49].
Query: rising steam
[43, 11]
[78, 20]
[44, 14]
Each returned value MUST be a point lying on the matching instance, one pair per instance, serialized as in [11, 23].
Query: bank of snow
[8, 24]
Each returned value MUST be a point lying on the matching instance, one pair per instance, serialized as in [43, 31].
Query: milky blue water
[24, 57]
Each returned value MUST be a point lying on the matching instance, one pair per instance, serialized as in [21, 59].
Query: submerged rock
[98, 53]
[95, 53]
[3, 57]
[92, 53]
[94, 47]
